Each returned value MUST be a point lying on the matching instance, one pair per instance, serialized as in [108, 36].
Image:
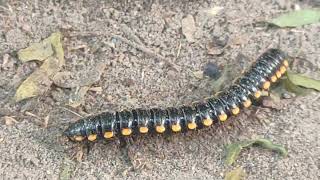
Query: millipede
[267, 69]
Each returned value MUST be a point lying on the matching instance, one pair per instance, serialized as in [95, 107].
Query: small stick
[72, 112]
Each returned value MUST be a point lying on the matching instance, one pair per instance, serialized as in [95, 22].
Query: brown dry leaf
[55, 40]
[188, 27]
[9, 121]
[37, 51]
[39, 81]
[236, 174]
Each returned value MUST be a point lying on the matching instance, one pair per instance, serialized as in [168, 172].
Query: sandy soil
[134, 78]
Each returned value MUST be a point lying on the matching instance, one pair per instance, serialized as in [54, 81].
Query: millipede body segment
[267, 69]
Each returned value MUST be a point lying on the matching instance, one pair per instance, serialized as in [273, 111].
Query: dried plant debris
[40, 80]
[37, 51]
[297, 18]
[235, 174]
[233, 150]
[188, 27]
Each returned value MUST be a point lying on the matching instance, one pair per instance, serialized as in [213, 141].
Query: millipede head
[74, 132]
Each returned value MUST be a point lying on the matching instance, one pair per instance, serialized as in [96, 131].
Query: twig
[72, 112]
[179, 49]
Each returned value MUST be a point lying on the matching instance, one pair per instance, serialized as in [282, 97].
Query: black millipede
[267, 69]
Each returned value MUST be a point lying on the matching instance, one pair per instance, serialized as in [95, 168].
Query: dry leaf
[39, 81]
[37, 51]
[233, 150]
[236, 174]
[188, 27]
[55, 40]
[303, 81]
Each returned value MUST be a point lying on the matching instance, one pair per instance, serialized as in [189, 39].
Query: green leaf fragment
[289, 86]
[303, 81]
[233, 150]
[297, 18]
[269, 145]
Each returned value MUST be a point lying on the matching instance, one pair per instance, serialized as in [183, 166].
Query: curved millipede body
[268, 68]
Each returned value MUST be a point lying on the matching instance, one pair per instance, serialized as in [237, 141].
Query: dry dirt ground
[134, 78]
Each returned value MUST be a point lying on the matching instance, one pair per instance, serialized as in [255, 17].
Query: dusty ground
[133, 78]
